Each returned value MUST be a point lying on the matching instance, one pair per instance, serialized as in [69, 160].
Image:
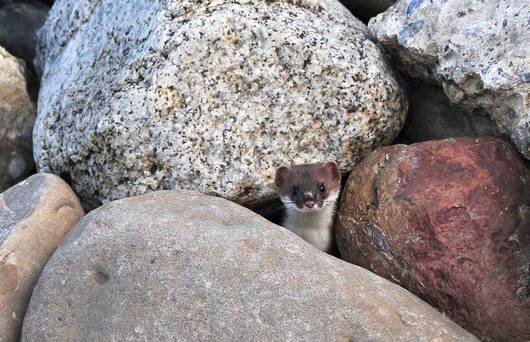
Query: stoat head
[308, 187]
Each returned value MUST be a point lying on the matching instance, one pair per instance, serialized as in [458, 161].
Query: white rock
[478, 50]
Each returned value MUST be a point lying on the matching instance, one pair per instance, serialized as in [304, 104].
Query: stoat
[309, 193]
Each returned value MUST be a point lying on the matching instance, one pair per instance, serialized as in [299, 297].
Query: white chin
[308, 210]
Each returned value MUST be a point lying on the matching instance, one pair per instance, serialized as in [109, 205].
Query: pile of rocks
[209, 98]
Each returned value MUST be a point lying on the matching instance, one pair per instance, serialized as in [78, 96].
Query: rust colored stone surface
[450, 221]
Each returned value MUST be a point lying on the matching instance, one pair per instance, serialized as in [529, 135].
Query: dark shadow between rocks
[364, 10]
[432, 117]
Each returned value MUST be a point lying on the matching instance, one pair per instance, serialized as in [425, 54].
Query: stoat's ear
[332, 169]
[281, 176]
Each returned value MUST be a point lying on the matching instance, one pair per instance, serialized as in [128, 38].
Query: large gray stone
[209, 96]
[181, 266]
[478, 50]
[17, 115]
[35, 216]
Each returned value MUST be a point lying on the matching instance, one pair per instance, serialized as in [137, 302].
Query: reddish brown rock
[450, 221]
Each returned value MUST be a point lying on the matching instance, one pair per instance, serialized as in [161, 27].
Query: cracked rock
[477, 50]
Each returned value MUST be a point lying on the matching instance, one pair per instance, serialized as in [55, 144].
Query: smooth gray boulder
[17, 115]
[209, 96]
[35, 216]
[181, 266]
[477, 50]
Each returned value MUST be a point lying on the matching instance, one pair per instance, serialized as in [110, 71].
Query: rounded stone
[17, 115]
[181, 266]
[448, 220]
[209, 96]
[35, 216]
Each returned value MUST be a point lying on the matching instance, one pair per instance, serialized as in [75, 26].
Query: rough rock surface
[180, 266]
[209, 96]
[17, 115]
[19, 21]
[35, 215]
[450, 221]
[366, 9]
[478, 51]
[432, 117]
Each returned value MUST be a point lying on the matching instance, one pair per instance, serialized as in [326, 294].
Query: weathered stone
[35, 215]
[432, 117]
[209, 96]
[181, 266]
[366, 9]
[17, 115]
[19, 21]
[450, 221]
[478, 51]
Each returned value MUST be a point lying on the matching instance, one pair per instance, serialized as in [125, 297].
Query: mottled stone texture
[210, 96]
[181, 266]
[478, 51]
[35, 215]
[17, 115]
[450, 221]
[432, 117]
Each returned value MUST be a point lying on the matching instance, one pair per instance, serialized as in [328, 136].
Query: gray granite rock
[432, 117]
[210, 96]
[17, 115]
[478, 50]
[35, 216]
[19, 21]
[181, 266]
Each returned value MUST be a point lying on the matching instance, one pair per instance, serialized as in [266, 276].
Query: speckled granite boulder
[432, 117]
[450, 221]
[181, 266]
[35, 215]
[478, 50]
[17, 115]
[210, 96]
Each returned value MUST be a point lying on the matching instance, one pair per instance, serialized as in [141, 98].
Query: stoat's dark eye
[322, 187]
[296, 190]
